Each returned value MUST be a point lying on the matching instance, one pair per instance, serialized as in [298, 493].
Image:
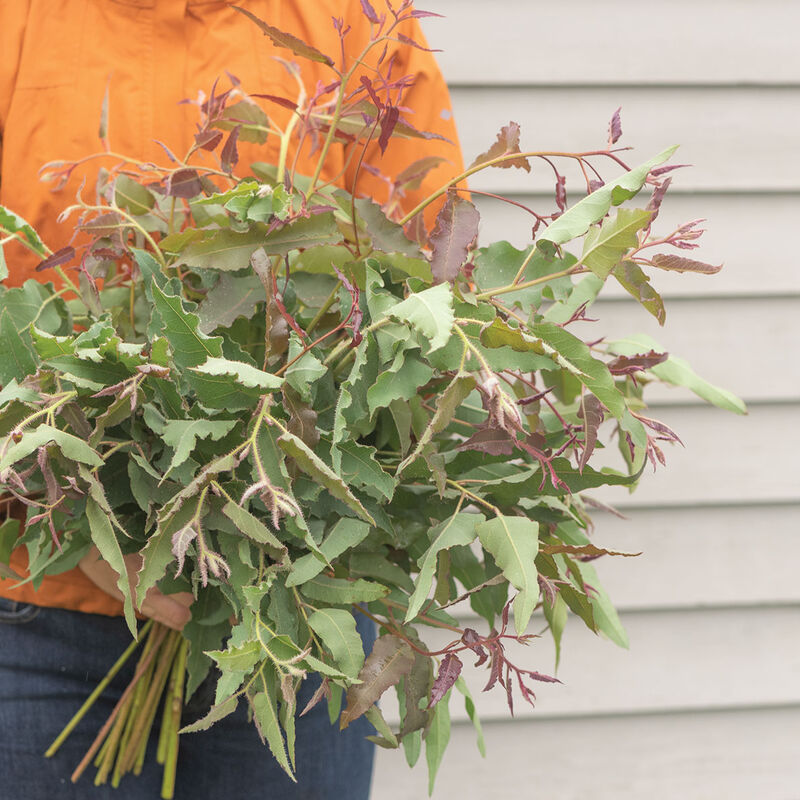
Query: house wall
[706, 703]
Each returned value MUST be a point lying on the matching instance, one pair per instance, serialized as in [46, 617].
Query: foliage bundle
[301, 410]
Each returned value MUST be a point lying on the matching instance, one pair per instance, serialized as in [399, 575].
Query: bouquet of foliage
[300, 409]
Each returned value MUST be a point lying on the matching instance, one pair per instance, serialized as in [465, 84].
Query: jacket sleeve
[13, 19]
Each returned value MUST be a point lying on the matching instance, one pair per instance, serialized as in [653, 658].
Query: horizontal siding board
[726, 459]
[738, 755]
[727, 341]
[755, 263]
[701, 557]
[737, 139]
[617, 42]
[678, 661]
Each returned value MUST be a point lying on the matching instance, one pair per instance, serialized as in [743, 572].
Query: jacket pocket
[14, 613]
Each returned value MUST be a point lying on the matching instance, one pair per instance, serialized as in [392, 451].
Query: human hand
[171, 610]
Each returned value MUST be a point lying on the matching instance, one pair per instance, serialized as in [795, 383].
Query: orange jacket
[58, 56]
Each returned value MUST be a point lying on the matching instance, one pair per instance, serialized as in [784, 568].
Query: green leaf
[215, 714]
[345, 534]
[340, 591]
[575, 221]
[633, 279]
[317, 469]
[391, 658]
[106, 542]
[238, 659]
[458, 530]
[301, 233]
[13, 391]
[303, 372]
[72, 447]
[605, 615]
[399, 382]
[248, 117]
[11, 223]
[678, 372]
[190, 346]
[469, 705]
[243, 374]
[514, 543]
[604, 247]
[252, 527]
[437, 738]
[18, 360]
[387, 236]
[337, 629]
[182, 435]
[230, 298]
[223, 250]
[574, 355]
[132, 196]
[265, 713]
[430, 312]
[361, 468]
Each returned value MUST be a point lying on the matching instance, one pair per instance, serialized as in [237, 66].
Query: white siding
[705, 704]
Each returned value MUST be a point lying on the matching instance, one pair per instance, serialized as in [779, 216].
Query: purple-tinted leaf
[561, 192]
[389, 120]
[181, 540]
[410, 179]
[369, 12]
[419, 14]
[172, 157]
[658, 196]
[230, 152]
[449, 670]
[391, 658]
[456, 229]
[655, 173]
[615, 127]
[56, 259]
[471, 639]
[635, 282]
[660, 427]
[590, 550]
[281, 101]
[507, 144]
[540, 676]
[367, 84]
[494, 441]
[627, 365]
[591, 411]
[681, 264]
[207, 140]
[411, 43]
[184, 183]
[281, 39]
[323, 690]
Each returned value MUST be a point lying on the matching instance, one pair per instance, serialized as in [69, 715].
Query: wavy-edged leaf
[265, 714]
[449, 670]
[18, 360]
[448, 402]
[345, 534]
[514, 543]
[577, 219]
[361, 468]
[591, 412]
[230, 298]
[340, 591]
[225, 383]
[337, 629]
[604, 247]
[316, 468]
[253, 528]
[12, 223]
[215, 714]
[281, 39]
[456, 229]
[430, 312]
[72, 447]
[105, 540]
[637, 284]
[459, 529]
[190, 346]
[391, 658]
[182, 435]
[399, 382]
[507, 144]
[573, 354]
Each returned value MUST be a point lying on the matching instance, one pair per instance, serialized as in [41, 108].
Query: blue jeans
[51, 659]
